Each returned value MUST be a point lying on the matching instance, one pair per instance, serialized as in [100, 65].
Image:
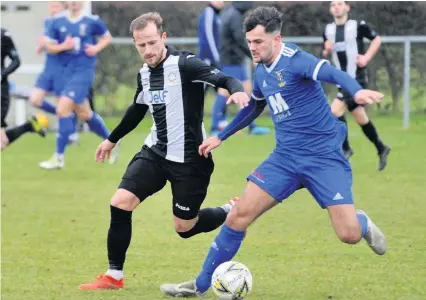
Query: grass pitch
[54, 224]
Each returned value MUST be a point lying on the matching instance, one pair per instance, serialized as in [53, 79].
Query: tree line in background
[118, 65]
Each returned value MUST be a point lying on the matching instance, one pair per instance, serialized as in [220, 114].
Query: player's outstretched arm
[332, 75]
[133, 116]
[131, 119]
[243, 118]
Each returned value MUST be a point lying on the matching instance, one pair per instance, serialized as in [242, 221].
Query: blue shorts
[76, 83]
[49, 81]
[237, 71]
[328, 178]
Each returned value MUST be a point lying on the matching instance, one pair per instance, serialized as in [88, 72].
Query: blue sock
[223, 249]
[65, 129]
[218, 109]
[48, 107]
[74, 123]
[97, 125]
[362, 219]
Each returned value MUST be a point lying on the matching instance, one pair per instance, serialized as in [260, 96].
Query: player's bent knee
[349, 234]
[338, 107]
[36, 101]
[184, 228]
[360, 115]
[83, 112]
[238, 219]
[125, 200]
[84, 116]
[65, 107]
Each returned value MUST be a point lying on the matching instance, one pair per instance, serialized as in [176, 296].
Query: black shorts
[5, 101]
[347, 98]
[148, 172]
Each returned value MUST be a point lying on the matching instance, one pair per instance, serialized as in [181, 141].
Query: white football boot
[374, 237]
[182, 290]
[54, 163]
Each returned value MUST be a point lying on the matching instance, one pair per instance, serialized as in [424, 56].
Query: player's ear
[164, 36]
[348, 7]
[277, 38]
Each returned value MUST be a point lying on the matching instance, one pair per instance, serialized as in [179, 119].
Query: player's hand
[91, 50]
[328, 48]
[362, 61]
[208, 145]
[39, 49]
[68, 43]
[368, 97]
[328, 45]
[104, 151]
[239, 98]
[41, 43]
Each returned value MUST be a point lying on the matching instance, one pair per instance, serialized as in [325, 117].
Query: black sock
[345, 144]
[371, 133]
[119, 236]
[14, 133]
[208, 220]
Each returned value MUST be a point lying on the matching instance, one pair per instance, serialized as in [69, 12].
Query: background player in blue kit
[308, 146]
[73, 37]
[48, 80]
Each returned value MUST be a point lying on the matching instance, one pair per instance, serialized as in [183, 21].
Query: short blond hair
[143, 20]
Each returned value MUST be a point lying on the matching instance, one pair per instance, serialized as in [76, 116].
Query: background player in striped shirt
[343, 39]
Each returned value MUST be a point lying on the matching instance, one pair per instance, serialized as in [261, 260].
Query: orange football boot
[103, 282]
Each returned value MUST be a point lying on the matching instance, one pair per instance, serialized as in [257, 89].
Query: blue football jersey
[302, 117]
[83, 30]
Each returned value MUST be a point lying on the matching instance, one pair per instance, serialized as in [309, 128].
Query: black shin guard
[208, 220]
[119, 236]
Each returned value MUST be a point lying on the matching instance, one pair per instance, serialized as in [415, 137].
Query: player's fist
[362, 60]
[91, 50]
[240, 98]
[104, 151]
[328, 45]
[68, 43]
[41, 43]
[208, 145]
[368, 97]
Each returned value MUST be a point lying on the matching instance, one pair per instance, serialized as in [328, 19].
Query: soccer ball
[232, 281]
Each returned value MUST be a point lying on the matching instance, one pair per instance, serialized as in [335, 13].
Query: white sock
[227, 207]
[60, 156]
[116, 274]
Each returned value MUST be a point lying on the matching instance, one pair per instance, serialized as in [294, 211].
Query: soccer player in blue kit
[48, 80]
[308, 146]
[72, 36]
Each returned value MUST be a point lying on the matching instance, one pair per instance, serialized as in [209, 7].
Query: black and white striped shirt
[174, 94]
[348, 43]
